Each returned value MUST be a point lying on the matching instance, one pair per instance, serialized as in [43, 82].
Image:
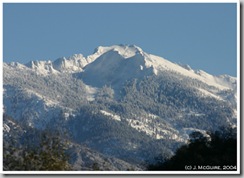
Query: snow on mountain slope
[150, 124]
[74, 63]
[111, 68]
[42, 67]
[206, 93]
[28, 106]
[126, 51]
[160, 63]
[122, 62]
[112, 116]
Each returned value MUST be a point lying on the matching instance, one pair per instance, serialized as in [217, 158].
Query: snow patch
[46, 100]
[6, 128]
[112, 116]
[155, 129]
[188, 131]
[160, 63]
[205, 93]
[127, 51]
[153, 116]
[91, 91]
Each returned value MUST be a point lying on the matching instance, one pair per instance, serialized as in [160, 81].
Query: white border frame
[132, 172]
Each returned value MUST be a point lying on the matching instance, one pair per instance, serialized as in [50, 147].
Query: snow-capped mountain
[130, 60]
[120, 96]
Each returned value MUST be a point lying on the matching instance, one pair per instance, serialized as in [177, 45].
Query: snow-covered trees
[35, 151]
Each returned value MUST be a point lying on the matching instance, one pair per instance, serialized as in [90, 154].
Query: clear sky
[201, 35]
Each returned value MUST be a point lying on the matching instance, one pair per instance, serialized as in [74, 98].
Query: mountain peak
[42, 67]
[73, 63]
[126, 51]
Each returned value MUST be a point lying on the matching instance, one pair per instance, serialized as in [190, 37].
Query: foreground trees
[215, 149]
[47, 152]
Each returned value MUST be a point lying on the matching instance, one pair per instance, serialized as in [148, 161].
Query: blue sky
[202, 35]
